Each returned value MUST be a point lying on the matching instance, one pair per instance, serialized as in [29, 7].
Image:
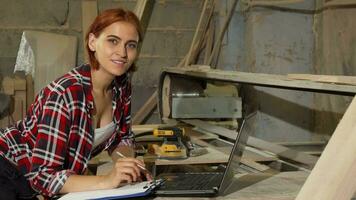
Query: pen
[140, 166]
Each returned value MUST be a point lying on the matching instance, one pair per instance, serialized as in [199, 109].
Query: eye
[113, 41]
[132, 45]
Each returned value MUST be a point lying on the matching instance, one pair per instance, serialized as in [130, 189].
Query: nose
[121, 50]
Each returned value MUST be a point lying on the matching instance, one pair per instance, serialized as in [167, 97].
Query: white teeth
[118, 62]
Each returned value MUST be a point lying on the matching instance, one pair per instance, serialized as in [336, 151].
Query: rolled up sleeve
[47, 174]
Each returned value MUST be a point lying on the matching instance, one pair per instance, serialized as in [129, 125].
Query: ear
[92, 41]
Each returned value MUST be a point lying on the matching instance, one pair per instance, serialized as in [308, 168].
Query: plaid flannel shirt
[55, 138]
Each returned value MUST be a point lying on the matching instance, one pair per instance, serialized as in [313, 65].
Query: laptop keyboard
[193, 181]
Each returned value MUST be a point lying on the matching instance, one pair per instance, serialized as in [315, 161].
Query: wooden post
[197, 32]
[222, 33]
[89, 12]
[333, 176]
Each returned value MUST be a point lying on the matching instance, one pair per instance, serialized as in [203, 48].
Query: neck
[101, 81]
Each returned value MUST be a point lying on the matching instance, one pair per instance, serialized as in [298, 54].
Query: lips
[119, 62]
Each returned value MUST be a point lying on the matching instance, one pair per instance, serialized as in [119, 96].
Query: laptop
[209, 183]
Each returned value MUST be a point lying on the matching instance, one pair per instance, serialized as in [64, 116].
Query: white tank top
[103, 133]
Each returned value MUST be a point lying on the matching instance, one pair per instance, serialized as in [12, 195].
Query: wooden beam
[217, 45]
[143, 11]
[283, 151]
[333, 175]
[345, 80]
[89, 12]
[209, 42]
[268, 80]
[279, 150]
[142, 113]
[196, 34]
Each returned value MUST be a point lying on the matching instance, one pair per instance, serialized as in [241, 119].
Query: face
[115, 48]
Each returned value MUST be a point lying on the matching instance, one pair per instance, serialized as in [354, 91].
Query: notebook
[128, 191]
[214, 183]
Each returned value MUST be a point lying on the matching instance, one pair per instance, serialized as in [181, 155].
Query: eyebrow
[120, 38]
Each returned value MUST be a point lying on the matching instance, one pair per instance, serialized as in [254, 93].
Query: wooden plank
[19, 83]
[143, 11]
[283, 152]
[260, 79]
[19, 105]
[333, 175]
[217, 45]
[89, 13]
[202, 42]
[197, 32]
[30, 90]
[345, 80]
[248, 158]
[142, 113]
[272, 3]
[52, 61]
[212, 128]
[8, 86]
[279, 150]
[209, 42]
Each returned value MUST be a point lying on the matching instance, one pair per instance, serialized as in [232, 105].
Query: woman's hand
[125, 170]
[147, 174]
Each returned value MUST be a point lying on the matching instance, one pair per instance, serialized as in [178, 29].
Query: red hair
[105, 19]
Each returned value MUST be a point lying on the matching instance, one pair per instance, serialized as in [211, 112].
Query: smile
[119, 61]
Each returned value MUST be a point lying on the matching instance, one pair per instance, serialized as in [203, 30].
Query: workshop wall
[294, 36]
[271, 40]
[50, 16]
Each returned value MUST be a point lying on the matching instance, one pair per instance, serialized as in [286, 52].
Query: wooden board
[16, 89]
[345, 80]
[333, 175]
[260, 79]
[258, 143]
[147, 108]
[89, 13]
[143, 11]
[55, 55]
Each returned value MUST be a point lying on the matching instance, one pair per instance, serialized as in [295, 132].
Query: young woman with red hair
[76, 117]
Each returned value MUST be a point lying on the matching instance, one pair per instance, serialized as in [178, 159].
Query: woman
[75, 117]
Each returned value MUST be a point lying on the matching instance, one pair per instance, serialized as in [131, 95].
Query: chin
[119, 72]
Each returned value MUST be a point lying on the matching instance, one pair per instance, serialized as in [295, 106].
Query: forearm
[76, 183]
[125, 170]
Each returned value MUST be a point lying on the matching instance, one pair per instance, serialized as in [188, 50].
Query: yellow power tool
[172, 146]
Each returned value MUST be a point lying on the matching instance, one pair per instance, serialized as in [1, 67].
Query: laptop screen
[246, 129]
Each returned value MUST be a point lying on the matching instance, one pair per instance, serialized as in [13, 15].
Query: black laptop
[209, 183]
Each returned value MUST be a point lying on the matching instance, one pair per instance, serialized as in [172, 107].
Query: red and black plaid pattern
[55, 139]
